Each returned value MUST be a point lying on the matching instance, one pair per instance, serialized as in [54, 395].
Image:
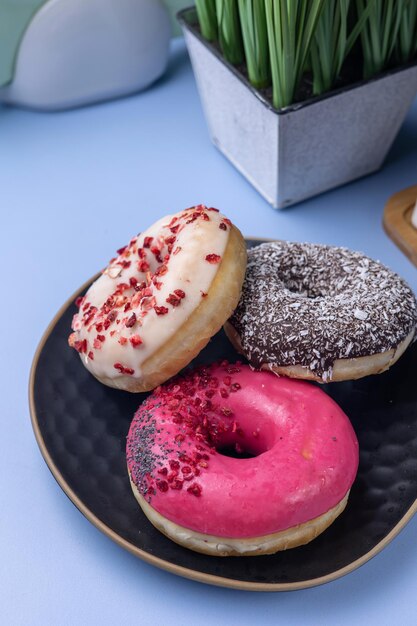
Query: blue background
[74, 187]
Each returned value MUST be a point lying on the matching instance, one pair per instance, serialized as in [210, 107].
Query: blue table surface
[74, 187]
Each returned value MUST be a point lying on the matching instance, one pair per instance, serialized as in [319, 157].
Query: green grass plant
[291, 26]
[333, 41]
[230, 34]
[380, 33]
[255, 42]
[279, 40]
[407, 43]
[207, 18]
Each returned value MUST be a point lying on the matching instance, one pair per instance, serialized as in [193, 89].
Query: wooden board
[397, 221]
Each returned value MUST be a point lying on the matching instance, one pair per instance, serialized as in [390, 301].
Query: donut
[321, 313]
[160, 300]
[298, 459]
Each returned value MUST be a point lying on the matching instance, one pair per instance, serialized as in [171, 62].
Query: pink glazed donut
[298, 459]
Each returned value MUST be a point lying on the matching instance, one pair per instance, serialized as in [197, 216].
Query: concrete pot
[302, 150]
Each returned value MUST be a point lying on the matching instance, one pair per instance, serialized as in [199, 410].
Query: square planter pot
[304, 149]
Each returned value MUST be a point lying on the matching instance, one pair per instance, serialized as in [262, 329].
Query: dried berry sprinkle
[195, 489]
[173, 299]
[160, 310]
[124, 370]
[136, 341]
[131, 321]
[162, 485]
[213, 258]
[143, 266]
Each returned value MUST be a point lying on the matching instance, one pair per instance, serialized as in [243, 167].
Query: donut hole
[240, 446]
[298, 286]
[236, 452]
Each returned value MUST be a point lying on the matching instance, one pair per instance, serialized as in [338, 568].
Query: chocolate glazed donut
[321, 313]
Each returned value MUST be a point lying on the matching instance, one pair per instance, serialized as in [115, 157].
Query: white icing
[188, 270]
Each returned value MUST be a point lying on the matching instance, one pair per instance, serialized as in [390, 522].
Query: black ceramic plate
[81, 427]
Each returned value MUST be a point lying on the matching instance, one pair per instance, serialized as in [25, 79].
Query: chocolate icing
[309, 304]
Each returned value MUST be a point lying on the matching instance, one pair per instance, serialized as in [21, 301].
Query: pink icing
[306, 451]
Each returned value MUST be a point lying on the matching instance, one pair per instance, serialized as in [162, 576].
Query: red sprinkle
[79, 301]
[123, 370]
[136, 341]
[213, 258]
[161, 270]
[157, 253]
[173, 299]
[222, 226]
[143, 266]
[162, 485]
[91, 355]
[195, 489]
[121, 250]
[147, 242]
[131, 321]
[160, 310]
[81, 346]
[180, 293]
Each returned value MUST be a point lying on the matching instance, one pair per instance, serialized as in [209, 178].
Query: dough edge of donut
[228, 546]
[343, 369]
[204, 322]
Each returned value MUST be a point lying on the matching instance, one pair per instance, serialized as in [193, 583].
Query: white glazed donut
[160, 300]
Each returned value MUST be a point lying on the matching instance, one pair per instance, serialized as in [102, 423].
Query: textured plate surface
[81, 428]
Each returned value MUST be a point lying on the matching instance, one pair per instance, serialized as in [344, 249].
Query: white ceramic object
[304, 149]
[75, 52]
